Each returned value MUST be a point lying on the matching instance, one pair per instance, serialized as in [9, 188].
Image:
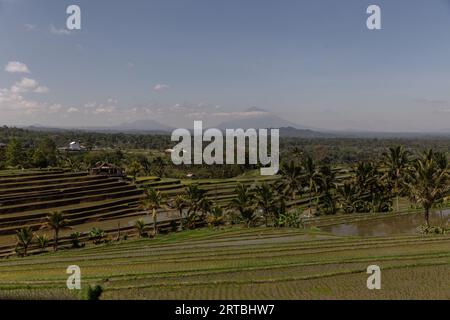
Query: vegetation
[319, 185]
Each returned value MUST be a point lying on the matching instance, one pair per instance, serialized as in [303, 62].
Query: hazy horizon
[312, 63]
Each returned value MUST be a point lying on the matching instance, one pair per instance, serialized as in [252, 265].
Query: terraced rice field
[27, 197]
[240, 263]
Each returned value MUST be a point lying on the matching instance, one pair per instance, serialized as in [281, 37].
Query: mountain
[304, 133]
[257, 118]
[144, 125]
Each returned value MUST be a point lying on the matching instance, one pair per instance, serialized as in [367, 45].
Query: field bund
[240, 263]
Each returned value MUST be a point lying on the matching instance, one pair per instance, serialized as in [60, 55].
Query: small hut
[107, 169]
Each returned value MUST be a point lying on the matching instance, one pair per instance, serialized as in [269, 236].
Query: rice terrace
[246, 237]
[196, 153]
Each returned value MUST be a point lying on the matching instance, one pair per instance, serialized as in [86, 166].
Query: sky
[312, 62]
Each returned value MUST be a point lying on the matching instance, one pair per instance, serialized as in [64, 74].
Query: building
[74, 146]
[107, 169]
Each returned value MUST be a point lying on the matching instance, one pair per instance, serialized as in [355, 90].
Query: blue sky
[175, 61]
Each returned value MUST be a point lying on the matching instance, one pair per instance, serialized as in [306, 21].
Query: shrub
[93, 293]
[424, 229]
[75, 240]
[97, 235]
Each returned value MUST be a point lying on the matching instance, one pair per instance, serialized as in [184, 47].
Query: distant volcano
[257, 118]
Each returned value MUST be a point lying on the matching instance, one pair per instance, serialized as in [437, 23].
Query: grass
[240, 263]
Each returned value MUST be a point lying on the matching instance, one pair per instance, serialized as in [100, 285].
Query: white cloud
[24, 85]
[16, 67]
[104, 110]
[72, 110]
[59, 32]
[27, 85]
[55, 108]
[14, 102]
[30, 27]
[161, 87]
[41, 89]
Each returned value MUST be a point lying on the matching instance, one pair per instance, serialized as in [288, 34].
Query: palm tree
[24, 238]
[57, 222]
[179, 203]
[42, 241]
[428, 181]
[160, 164]
[298, 154]
[153, 202]
[291, 182]
[97, 235]
[396, 161]
[347, 197]
[311, 177]
[216, 216]
[326, 182]
[196, 201]
[367, 179]
[265, 200]
[244, 204]
[140, 226]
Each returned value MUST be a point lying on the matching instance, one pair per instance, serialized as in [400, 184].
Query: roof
[104, 165]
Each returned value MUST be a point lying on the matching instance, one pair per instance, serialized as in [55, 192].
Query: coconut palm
[42, 241]
[347, 194]
[311, 178]
[367, 180]
[57, 222]
[24, 238]
[97, 235]
[160, 165]
[196, 201]
[244, 203]
[428, 181]
[396, 161]
[326, 182]
[140, 226]
[153, 202]
[265, 200]
[291, 181]
[216, 216]
[179, 203]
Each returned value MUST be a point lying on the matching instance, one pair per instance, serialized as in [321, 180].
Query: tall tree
[153, 202]
[196, 201]
[14, 153]
[57, 222]
[265, 201]
[45, 154]
[160, 165]
[24, 238]
[179, 203]
[396, 161]
[133, 169]
[291, 182]
[311, 177]
[244, 203]
[327, 185]
[428, 181]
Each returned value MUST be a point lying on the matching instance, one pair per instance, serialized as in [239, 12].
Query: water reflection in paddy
[405, 224]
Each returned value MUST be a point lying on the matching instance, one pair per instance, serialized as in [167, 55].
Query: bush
[289, 219]
[431, 230]
[93, 293]
[75, 240]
